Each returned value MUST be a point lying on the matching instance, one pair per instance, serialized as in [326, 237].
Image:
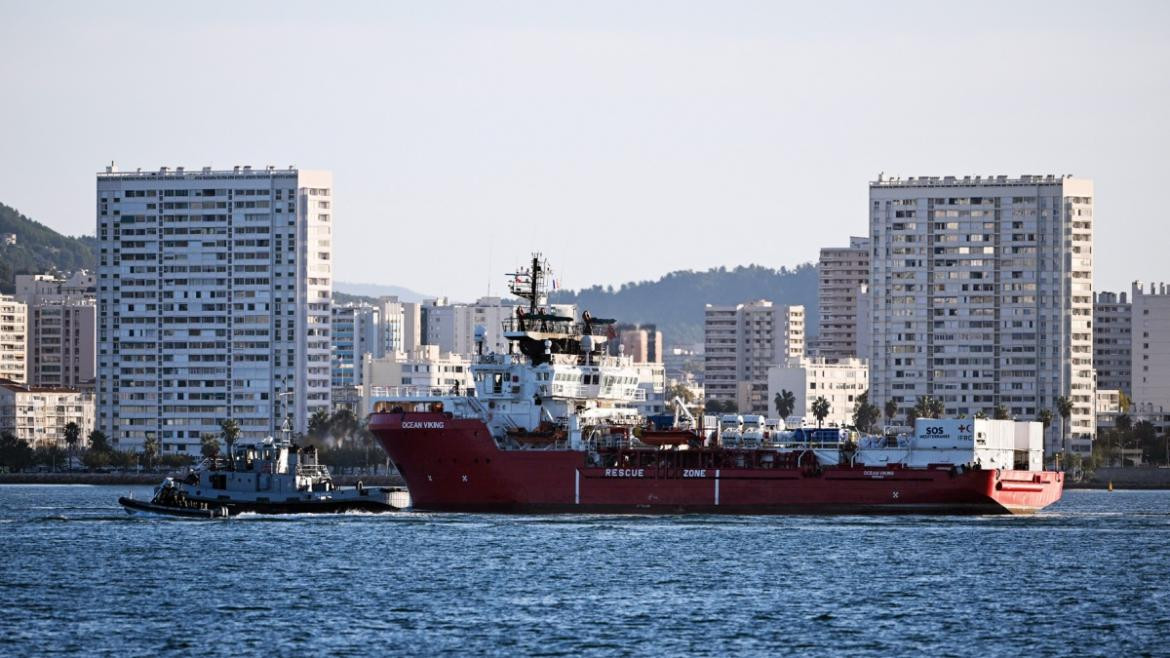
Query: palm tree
[785, 403]
[1000, 413]
[926, 407]
[98, 442]
[1124, 422]
[230, 431]
[1123, 426]
[72, 438]
[1064, 407]
[820, 408]
[865, 415]
[342, 424]
[365, 438]
[891, 409]
[209, 445]
[149, 450]
[319, 424]
[1045, 417]
[937, 409]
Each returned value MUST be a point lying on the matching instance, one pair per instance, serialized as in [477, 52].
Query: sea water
[1089, 575]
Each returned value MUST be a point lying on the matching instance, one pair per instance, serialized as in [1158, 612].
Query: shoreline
[155, 478]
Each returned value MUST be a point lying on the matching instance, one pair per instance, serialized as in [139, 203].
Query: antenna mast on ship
[531, 283]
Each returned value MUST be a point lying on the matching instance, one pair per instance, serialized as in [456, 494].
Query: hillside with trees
[676, 301]
[38, 249]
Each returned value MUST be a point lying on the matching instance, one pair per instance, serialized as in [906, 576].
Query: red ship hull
[453, 464]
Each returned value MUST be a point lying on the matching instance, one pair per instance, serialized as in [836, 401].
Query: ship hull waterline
[219, 508]
[452, 464]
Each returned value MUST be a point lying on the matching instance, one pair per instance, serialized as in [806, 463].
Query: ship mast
[531, 283]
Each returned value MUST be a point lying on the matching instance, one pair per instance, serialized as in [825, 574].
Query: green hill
[38, 249]
[675, 302]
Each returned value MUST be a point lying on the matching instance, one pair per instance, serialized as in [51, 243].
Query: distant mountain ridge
[676, 301]
[374, 290]
[38, 249]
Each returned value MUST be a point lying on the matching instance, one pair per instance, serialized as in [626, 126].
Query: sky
[622, 139]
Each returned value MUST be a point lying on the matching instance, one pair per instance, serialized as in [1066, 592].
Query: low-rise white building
[840, 381]
[1108, 401]
[1108, 408]
[39, 414]
[54, 286]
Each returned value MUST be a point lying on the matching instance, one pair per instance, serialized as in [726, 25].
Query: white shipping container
[989, 443]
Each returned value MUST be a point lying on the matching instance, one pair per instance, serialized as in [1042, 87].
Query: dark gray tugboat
[268, 478]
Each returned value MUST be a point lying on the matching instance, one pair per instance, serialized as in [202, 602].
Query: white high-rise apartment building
[13, 339]
[1151, 348]
[401, 326]
[981, 294]
[214, 295]
[742, 343]
[357, 329]
[720, 347]
[842, 272]
[1112, 351]
[62, 328]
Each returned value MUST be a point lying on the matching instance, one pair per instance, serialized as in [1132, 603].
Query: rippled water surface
[1090, 575]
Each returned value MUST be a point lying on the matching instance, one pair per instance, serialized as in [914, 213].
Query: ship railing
[598, 360]
[420, 398]
[781, 446]
[615, 442]
[212, 464]
[313, 470]
[409, 392]
[494, 359]
[547, 326]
